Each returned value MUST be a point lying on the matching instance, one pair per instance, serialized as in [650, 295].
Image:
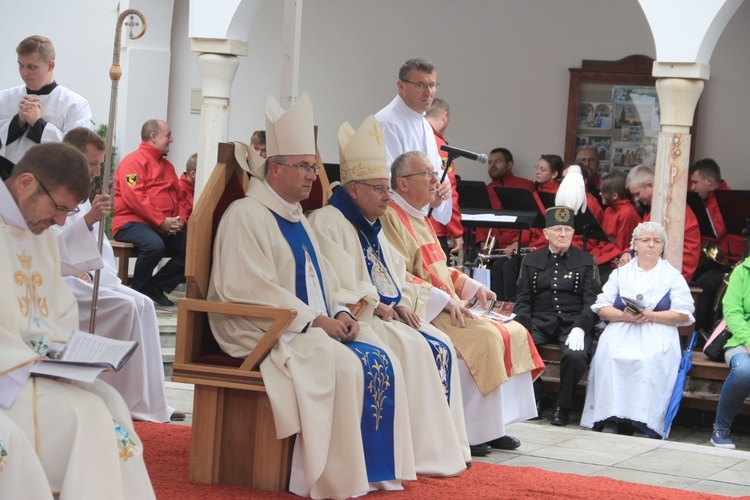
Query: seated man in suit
[557, 287]
[328, 371]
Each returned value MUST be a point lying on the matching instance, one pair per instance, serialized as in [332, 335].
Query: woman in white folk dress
[635, 366]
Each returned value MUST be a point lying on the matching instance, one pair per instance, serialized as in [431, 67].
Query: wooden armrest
[281, 319]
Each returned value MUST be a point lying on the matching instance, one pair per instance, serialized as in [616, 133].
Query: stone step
[167, 356]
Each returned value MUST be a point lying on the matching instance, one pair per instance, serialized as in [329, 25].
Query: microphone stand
[449, 161]
[114, 75]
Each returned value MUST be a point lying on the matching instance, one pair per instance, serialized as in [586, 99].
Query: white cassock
[634, 369]
[83, 432]
[314, 383]
[20, 468]
[62, 109]
[438, 430]
[406, 130]
[122, 313]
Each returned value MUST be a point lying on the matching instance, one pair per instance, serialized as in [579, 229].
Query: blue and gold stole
[379, 405]
[381, 277]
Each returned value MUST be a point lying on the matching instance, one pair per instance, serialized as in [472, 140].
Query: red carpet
[167, 450]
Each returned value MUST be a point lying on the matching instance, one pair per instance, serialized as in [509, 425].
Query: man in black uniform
[557, 287]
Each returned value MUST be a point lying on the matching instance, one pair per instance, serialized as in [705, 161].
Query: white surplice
[122, 313]
[62, 109]
[83, 432]
[406, 130]
[633, 371]
[314, 383]
[438, 430]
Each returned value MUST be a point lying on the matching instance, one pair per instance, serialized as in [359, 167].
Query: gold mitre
[290, 132]
[362, 153]
[249, 160]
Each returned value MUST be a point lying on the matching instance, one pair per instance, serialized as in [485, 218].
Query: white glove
[575, 339]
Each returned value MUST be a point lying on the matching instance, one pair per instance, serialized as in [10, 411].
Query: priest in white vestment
[406, 129]
[500, 358]
[122, 313]
[41, 110]
[349, 234]
[330, 380]
[82, 432]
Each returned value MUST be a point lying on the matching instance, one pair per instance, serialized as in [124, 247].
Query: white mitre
[362, 153]
[290, 132]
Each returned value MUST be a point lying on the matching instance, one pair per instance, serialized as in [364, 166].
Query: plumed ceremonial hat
[362, 153]
[560, 216]
[249, 160]
[290, 132]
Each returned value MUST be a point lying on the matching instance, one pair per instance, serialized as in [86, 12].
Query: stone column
[217, 73]
[678, 98]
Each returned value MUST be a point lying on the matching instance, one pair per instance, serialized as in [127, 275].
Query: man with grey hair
[497, 360]
[150, 214]
[41, 110]
[406, 129]
[640, 183]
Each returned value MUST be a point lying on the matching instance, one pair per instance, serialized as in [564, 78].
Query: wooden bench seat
[123, 253]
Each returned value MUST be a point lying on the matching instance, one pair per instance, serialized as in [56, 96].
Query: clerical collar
[406, 207]
[406, 108]
[292, 207]
[9, 210]
[44, 90]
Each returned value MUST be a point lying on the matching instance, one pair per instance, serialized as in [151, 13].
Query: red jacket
[187, 191]
[504, 236]
[733, 245]
[619, 221]
[454, 228]
[146, 189]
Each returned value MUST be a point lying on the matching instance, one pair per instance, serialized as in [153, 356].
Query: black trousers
[573, 365]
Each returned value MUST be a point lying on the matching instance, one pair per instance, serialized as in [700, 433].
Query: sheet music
[489, 217]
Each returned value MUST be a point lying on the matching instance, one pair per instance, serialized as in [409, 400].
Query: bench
[234, 435]
[702, 388]
[123, 253]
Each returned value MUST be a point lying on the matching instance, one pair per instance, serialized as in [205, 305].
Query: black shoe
[480, 450]
[505, 443]
[160, 298]
[560, 417]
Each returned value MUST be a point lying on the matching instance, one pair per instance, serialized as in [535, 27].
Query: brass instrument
[712, 252]
[718, 313]
[489, 253]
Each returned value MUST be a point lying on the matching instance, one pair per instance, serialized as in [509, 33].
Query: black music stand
[734, 206]
[696, 204]
[586, 225]
[522, 200]
[473, 194]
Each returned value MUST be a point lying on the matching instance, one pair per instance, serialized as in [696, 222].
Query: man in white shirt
[406, 129]
[41, 110]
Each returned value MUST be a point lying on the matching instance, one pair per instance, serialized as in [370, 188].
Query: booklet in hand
[497, 310]
[633, 305]
[85, 356]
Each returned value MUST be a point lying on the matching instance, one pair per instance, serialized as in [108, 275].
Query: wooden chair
[234, 437]
[123, 253]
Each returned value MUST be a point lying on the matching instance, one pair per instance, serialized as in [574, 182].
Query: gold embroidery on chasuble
[378, 380]
[31, 304]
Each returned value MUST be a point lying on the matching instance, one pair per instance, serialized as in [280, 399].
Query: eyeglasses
[561, 229]
[303, 168]
[60, 209]
[646, 241]
[424, 86]
[424, 173]
[381, 190]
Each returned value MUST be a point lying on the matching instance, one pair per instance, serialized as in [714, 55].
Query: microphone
[481, 158]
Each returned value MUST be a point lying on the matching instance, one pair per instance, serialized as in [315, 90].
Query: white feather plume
[572, 191]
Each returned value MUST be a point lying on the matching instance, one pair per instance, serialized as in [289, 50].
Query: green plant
[96, 183]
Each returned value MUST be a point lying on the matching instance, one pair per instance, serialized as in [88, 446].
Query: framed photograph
[613, 107]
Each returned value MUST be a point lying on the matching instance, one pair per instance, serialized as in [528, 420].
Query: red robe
[620, 220]
[733, 245]
[187, 191]
[504, 236]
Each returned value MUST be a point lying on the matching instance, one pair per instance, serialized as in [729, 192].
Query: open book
[84, 357]
[635, 306]
[496, 309]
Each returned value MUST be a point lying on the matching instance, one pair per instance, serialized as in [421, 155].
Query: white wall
[503, 67]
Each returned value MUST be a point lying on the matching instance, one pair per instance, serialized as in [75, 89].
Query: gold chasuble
[493, 351]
